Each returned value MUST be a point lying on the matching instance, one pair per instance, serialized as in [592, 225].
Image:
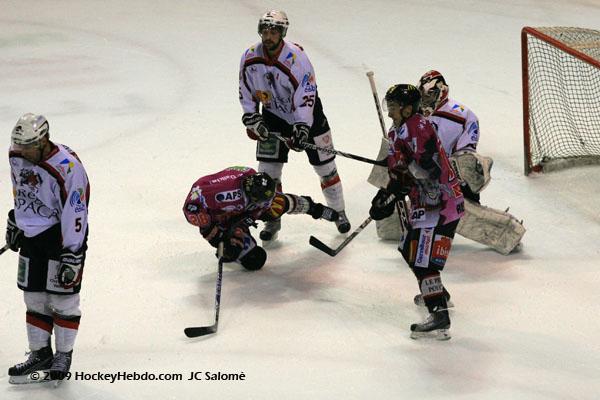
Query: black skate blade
[40, 376]
[199, 331]
[437, 334]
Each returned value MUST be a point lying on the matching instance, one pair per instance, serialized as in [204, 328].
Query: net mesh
[564, 96]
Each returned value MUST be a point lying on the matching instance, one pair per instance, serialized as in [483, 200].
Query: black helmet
[403, 95]
[259, 187]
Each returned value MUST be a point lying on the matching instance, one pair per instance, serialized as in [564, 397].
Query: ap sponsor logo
[228, 196]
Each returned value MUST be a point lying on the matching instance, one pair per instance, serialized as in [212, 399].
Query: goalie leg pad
[497, 229]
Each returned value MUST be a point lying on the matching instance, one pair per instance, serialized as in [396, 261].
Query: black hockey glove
[399, 188]
[380, 207]
[14, 235]
[256, 128]
[299, 136]
[214, 234]
[318, 210]
[234, 243]
[70, 269]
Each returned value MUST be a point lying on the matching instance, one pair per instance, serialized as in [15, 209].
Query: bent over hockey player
[49, 227]
[419, 167]
[279, 75]
[226, 204]
[458, 129]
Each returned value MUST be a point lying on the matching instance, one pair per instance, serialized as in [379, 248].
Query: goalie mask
[274, 19]
[259, 187]
[434, 91]
[30, 128]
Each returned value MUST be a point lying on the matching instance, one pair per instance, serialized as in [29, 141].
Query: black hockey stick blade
[199, 331]
[322, 246]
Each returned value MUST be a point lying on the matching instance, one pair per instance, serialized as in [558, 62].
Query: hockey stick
[311, 146]
[403, 208]
[333, 252]
[6, 247]
[206, 330]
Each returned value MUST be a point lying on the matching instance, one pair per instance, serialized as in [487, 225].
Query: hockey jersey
[435, 197]
[56, 190]
[456, 125]
[218, 198]
[286, 85]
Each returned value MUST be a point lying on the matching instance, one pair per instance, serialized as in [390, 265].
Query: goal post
[561, 97]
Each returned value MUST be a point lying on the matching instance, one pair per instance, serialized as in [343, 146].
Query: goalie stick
[333, 252]
[207, 330]
[311, 146]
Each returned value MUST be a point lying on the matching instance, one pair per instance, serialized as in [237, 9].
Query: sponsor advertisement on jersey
[431, 286]
[441, 250]
[424, 248]
[228, 196]
[77, 200]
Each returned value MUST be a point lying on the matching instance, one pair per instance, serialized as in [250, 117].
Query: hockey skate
[35, 369]
[61, 365]
[436, 326]
[420, 302]
[269, 233]
[342, 223]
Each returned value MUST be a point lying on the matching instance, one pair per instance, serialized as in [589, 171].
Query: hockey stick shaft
[403, 208]
[205, 330]
[333, 151]
[6, 247]
[371, 77]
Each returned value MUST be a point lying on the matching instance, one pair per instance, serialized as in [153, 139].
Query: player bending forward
[226, 204]
[419, 167]
[49, 227]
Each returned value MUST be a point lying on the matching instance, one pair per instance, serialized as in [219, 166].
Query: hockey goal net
[561, 97]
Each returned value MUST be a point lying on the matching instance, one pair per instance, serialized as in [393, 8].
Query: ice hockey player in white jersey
[48, 227]
[278, 75]
[458, 129]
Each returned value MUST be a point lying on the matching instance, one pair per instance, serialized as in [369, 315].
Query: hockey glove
[400, 188]
[299, 136]
[70, 269]
[318, 210]
[14, 235]
[255, 126]
[214, 234]
[380, 207]
[234, 244]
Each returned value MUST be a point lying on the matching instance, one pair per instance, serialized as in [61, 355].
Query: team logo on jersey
[31, 179]
[457, 108]
[264, 97]
[77, 200]
[228, 196]
[308, 83]
[290, 59]
[65, 166]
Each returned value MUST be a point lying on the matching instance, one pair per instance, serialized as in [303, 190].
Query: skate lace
[31, 359]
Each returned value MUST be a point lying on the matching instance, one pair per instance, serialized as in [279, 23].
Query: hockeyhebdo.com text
[121, 376]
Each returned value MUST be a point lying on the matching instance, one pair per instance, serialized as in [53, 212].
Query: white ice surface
[146, 93]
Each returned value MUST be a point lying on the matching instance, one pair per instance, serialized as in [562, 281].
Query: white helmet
[29, 129]
[274, 18]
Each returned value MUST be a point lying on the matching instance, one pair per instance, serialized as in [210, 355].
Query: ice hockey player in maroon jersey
[48, 227]
[277, 75]
[418, 167]
[224, 206]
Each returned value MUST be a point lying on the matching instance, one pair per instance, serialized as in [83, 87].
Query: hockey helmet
[259, 187]
[274, 19]
[434, 91]
[29, 129]
[403, 95]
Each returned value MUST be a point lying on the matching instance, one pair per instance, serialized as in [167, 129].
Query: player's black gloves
[14, 235]
[380, 206]
[214, 234]
[299, 136]
[70, 269]
[318, 210]
[255, 126]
